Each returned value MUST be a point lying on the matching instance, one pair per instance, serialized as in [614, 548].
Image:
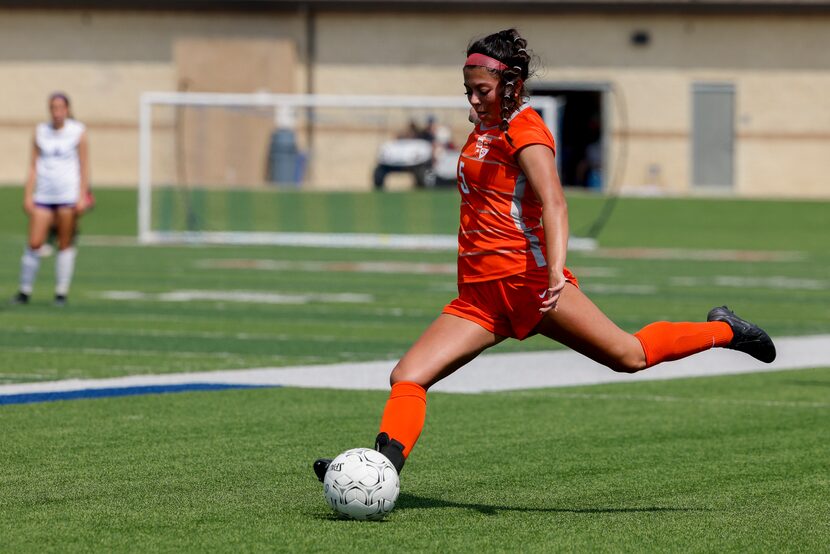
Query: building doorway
[580, 133]
[713, 135]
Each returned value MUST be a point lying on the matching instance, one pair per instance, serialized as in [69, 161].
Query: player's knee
[398, 374]
[401, 373]
[629, 362]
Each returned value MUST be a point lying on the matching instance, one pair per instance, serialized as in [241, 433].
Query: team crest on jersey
[483, 145]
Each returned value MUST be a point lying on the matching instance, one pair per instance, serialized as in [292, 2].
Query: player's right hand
[557, 283]
[28, 206]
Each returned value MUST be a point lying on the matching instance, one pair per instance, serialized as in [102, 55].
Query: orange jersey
[501, 228]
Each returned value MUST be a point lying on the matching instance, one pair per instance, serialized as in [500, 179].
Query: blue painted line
[29, 398]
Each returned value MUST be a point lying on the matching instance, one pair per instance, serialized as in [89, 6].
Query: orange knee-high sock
[664, 341]
[404, 415]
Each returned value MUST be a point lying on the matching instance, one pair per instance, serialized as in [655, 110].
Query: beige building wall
[778, 65]
[104, 60]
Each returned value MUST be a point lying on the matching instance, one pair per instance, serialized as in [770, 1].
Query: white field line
[703, 255]
[160, 333]
[405, 268]
[122, 352]
[252, 297]
[610, 288]
[450, 242]
[768, 282]
[487, 373]
[411, 268]
[690, 399]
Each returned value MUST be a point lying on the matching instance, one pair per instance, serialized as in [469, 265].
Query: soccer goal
[302, 170]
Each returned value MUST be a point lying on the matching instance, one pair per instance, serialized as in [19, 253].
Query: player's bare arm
[83, 158]
[537, 162]
[29, 186]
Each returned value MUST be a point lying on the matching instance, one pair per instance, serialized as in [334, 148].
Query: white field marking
[123, 352]
[692, 399]
[769, 282]
[386, 241]
[413, 268]
[607, 288]
[450, 242]
[396, 312]
[324, 240]
[594, 271]
[178, 334]
[105, 240]
[406, 268]
[698, 255]
[487, 373]
[15, 377]
[253, 297]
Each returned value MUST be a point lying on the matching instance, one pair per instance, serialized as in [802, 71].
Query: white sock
[29, 264]
[64, 267]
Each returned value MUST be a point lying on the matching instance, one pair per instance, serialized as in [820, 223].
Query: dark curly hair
[509, 48]
[62, 96]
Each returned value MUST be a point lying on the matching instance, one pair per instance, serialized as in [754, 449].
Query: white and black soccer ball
[361, 483]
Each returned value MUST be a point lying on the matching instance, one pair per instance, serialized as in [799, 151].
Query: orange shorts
[509, 306]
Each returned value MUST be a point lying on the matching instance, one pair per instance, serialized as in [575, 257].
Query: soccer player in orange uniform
[512, 243]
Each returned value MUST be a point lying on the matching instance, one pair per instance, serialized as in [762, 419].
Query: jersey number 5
[463, 182]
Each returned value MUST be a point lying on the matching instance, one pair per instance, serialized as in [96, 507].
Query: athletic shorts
[509, 306]
[54, 207]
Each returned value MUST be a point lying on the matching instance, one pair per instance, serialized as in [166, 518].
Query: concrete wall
[778, 65]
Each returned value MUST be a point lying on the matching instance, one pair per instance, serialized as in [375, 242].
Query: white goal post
[284, 109]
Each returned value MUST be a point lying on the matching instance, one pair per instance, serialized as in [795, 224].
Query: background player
[512, 243]
[55, 195]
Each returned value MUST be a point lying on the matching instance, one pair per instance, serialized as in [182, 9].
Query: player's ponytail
[509, 48]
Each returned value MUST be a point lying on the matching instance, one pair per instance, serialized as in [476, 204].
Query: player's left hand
[82, 204]
[556, 284]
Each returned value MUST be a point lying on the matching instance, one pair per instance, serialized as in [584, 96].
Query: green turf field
[728, 464]
[717, 464]
[98, 337]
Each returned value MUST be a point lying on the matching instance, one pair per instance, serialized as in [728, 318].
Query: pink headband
[485, 61]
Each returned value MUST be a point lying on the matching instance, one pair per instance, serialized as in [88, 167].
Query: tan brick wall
[104, 61]
[778, 66]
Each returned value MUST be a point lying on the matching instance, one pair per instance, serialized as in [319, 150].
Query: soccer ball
[361, 484]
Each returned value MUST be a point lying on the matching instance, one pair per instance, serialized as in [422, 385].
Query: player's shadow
[413, 501]
[814, 383]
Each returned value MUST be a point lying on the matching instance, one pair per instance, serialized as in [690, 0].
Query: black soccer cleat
[747, 337]
[392, 449]
[60, 300]
[20, 298]
[321, 466]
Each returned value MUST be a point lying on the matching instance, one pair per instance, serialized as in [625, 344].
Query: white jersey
[58, 165]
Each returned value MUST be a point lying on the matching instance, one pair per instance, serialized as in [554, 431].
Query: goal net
[302, 169]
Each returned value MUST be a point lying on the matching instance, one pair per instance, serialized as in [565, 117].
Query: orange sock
[664, 341]
[404, 415]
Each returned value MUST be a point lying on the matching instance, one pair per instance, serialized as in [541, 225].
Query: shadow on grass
[412, 501]
[814, 383]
